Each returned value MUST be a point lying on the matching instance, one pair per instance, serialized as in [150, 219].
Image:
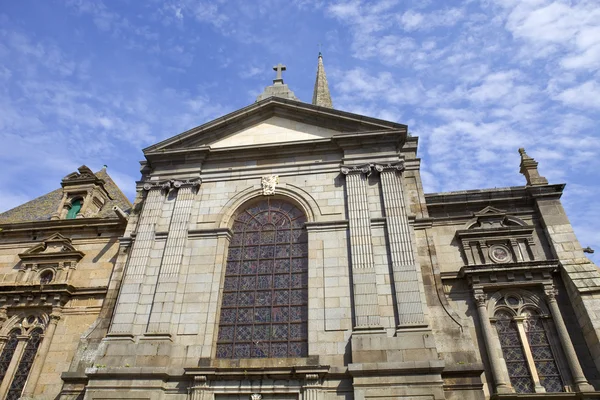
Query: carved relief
[268, 184]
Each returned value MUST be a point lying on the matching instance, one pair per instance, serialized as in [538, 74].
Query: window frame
[525, 306]
[254, 253]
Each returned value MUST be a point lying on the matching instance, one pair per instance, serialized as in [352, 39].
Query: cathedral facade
[288, 251]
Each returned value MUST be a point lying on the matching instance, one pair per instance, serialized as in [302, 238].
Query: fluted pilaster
[408, 287]
[162, 311]
[366, 306]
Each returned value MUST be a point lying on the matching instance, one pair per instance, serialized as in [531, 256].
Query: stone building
[288, 251]
[57, 254]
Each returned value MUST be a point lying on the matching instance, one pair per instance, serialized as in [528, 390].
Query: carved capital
[480, 299]
[397, 166]
[356, 169]
[550, 293]
[54, 318]
[256, 396]
[313, 380]
[200, 382]
[173, 183]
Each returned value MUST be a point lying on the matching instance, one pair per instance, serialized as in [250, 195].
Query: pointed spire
[321, 96]
[529, 169]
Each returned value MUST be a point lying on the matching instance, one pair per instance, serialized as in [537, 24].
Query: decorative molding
[369, 167]
[268, 183]
[54, 247]
[171, 184]
[357, 169]
[510, 275]
[396, 166]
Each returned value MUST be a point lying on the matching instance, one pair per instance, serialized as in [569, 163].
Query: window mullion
[528, 355]
[14, 363]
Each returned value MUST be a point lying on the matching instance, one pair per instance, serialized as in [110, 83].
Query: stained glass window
[518, 372]
[20, 378]
[543, 357]
[7, 353]
[264, 309]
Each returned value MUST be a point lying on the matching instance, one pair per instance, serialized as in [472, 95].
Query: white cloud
[586, 95]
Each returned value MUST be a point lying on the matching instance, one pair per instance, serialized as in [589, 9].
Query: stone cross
[279, 68]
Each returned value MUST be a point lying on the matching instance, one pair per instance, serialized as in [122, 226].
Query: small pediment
[489, 210]
[273, 120]
[54, 247]
[493, 218]
[84, 175]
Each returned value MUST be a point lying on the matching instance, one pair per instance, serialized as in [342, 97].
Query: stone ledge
[397, 368]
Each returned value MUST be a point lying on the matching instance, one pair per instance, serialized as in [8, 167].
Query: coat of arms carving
[268, 184]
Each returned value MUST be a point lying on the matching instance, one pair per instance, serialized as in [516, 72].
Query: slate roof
[42, 208]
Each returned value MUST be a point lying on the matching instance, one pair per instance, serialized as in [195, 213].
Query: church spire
[321, 96]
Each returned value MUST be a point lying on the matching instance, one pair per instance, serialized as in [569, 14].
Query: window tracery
[523, 331]
[264, 309]
[22, 372]
[27, 328]
[7, 353]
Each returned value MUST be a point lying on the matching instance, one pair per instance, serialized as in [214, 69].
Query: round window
[500, 254]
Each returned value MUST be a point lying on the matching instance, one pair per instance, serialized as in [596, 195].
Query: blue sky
[93, 82]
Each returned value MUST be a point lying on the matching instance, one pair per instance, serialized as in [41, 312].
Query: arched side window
[22, 372]
[74, 210]
[264, 309]
[7, 353]
[523, 330]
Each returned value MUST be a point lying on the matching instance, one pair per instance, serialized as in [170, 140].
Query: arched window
[46, 277]
[7, 353]
[523, 330]
[74, 210]
[264, 309]
[22, 372]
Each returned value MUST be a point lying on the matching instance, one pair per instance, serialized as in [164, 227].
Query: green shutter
[75, 207]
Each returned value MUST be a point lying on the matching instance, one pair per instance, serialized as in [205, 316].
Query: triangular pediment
[55, 246]
[274, 130]
[489, 210]
[273, 120]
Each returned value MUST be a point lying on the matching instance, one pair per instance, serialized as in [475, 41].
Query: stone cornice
[525, 273]
[492, 195]
[62, 224]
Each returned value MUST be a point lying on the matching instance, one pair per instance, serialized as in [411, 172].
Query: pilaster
[129, 296]
[163, 304]
[366, 306]
[410, 293]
